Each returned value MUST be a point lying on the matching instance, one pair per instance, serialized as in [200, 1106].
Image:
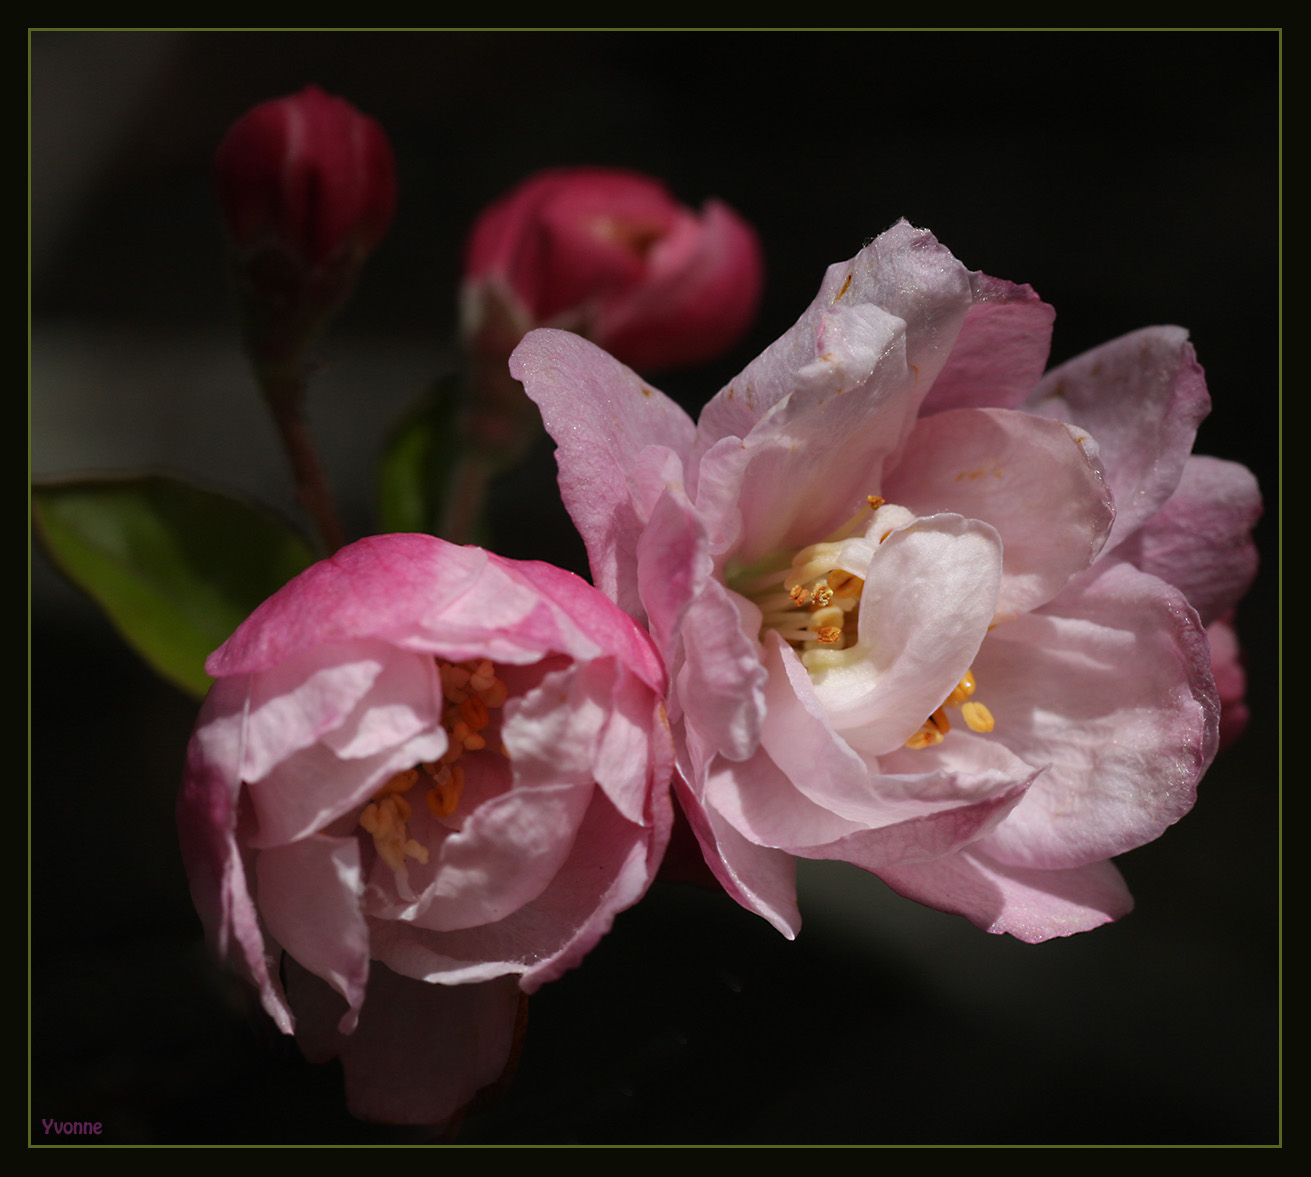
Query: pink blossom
[924, 608]
[611, 254]
[424, 782]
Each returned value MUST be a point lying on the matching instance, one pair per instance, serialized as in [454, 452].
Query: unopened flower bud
[308, 188]
[611, 255]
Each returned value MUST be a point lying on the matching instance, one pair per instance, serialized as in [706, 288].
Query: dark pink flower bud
[610, 254]
[308, 188]
[308, 174]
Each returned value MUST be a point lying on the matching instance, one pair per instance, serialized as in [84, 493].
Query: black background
[1130, 177]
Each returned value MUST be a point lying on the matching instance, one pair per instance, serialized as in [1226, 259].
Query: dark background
[1130, 177]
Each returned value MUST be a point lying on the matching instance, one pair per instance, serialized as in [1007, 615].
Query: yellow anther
[474, 712]
[385, 820]
[926, 737]
[963, 690]
[977, 717]
[875, 501]
[800, 595]
[402, 782]
[371, 818]
[472, 691]
[455, 682]
[444, 797]
[932, 731]
[483, 675]
[823, 595]
[828, 634]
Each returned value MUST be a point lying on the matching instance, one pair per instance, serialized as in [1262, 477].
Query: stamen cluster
[472, 692]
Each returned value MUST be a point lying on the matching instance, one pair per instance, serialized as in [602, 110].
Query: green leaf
[176, 568]
[414, 480]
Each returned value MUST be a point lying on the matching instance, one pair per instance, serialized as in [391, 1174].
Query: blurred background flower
[1130, 178]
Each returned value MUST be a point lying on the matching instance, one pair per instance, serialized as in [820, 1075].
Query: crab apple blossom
[423, 784]
[611, 254]
[924, 608]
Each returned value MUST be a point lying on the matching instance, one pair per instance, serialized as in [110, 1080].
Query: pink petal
[374, 588]
[309, 896]
[719, 685]
[602, 416]
[820, 410]
[930, 594]
[612, 864]
[420, 1052]
[1032, 905]
[759, 878]
[604, 625]
[1201, 540]
[1141, 397]
[673, 565]
[1000, 353]
[1110, 687]
[207, 816]
[903, 274]
[1035, 481]
[904, 818]
[1230, 679]
[505, 855]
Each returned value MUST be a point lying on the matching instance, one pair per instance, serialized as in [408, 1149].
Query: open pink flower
[425, 781]
[611, 254]
[924, 609]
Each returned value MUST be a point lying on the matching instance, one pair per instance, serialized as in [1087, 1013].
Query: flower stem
[285, 392]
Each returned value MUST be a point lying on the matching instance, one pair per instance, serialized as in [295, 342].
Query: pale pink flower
[424, 782]
[924, 609]
[611, 254]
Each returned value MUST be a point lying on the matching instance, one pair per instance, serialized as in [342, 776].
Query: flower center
[812, 601]
[472, 692]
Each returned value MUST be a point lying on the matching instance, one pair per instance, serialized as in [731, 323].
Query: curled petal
[930, 594]
[1110, 687]
[920, 815]
[309, 895]
[838, 393]
[612, 864]
[207, 816]
[761, 879]
[1032, 905]
[1000, 353]
[1142, 397]
[720, 683]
